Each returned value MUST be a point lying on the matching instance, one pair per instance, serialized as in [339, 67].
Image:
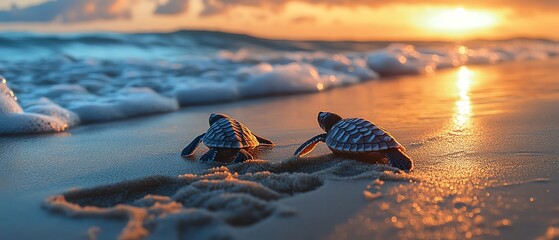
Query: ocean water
[54, 82]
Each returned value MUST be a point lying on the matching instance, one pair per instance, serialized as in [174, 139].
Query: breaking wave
[96, 77]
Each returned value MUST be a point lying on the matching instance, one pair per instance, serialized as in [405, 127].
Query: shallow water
[482, 137]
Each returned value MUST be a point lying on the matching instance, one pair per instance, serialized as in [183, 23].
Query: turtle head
[327, 119]
[216, 116]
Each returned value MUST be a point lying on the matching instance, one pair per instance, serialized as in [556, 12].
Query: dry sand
[484, 141]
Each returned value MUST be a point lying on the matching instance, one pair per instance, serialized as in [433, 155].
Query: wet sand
[483, 139]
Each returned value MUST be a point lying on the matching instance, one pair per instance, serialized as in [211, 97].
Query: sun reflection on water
[462, 136]
[463, 114]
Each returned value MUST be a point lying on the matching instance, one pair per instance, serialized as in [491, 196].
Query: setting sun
[460, 19]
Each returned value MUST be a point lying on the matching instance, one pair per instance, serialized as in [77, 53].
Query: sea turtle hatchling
[356, 137]
[226, 138]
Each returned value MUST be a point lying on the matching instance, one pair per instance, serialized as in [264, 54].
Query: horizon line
[252, 35]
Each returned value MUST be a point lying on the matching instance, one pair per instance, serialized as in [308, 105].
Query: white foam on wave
[39, 116]
[514, 51]
[398, 59]
[105, 90]
[126, 103]
[59, 90]
[210, 204]
[266, 79]
[484, 56]
[204, 93]
[9, 100]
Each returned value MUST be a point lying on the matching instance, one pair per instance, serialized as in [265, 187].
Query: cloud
[217, 7]
[303, 19]
[88, 10]
[172, 7]
[69, 11]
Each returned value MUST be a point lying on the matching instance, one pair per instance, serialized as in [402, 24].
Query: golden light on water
[320, 86]
[461, 131]
[463, 111]
[462, 56]
[462, 50]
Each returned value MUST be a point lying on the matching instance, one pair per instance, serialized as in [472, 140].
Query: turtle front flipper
[242, 156]
[190, 148]
[210, 156]
[264, 141]
[309, 145]
[399, 159]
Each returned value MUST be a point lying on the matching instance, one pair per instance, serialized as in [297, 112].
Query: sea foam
[126, 103]
[39, 116]
[398, 59]
[229, 68]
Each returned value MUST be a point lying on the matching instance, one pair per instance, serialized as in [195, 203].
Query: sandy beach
[483, 138]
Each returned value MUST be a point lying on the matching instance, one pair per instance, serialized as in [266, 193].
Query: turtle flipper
[242, 156]
[397, 158]
[190, 148]
[219, 154]
[264, 141]
[210, 156]
[309, 145]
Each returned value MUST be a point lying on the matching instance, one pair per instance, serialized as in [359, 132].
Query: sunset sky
[293, 19]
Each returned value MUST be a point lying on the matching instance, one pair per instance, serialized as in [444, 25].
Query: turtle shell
[356, 135]
[229, 133]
